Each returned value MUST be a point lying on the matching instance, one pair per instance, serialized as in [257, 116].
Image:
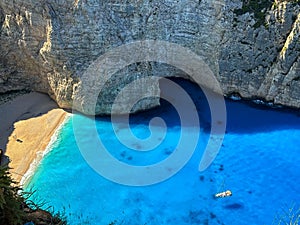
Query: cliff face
[252, 49]
[260, 53]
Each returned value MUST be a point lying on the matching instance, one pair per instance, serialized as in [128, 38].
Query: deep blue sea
[258, 161]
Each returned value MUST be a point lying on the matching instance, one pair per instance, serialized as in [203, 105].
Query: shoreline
[29, 124]
[41, 154]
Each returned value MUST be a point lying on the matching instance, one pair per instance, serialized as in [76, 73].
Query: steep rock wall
[48, 45]
[263, 62]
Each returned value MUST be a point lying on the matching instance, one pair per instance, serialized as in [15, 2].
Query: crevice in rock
[2, 18]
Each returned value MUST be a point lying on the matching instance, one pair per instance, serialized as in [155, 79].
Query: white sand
[27, 124]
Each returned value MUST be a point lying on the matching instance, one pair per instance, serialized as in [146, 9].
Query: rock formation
[251, 46]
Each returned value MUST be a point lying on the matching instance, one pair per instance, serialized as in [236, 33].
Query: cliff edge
[252, 47]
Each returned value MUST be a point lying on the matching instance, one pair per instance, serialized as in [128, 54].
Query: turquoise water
[259, 162]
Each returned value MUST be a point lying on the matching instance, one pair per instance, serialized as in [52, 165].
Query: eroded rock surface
[48, 46]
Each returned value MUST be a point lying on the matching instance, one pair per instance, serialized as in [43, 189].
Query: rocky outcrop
[41, 217]
[252, 49]
[263, 62]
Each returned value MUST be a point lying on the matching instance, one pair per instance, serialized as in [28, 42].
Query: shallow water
[259, 162]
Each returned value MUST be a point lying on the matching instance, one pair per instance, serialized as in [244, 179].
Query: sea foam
[41, 154]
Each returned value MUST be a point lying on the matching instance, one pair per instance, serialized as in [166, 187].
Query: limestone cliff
[260, 52]
[253, 47]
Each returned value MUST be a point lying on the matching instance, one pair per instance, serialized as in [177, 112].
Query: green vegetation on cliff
[11, 203]
[14, 207]
[259, 8]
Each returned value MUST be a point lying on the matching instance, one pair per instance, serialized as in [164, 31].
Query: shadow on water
[247, 117]
[167, 111]
[234, 206]
[242, 116]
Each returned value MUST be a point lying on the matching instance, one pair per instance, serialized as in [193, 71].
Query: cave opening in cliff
[172, 104]
[195, 93]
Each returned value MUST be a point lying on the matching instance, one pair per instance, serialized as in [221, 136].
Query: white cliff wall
[47, 45]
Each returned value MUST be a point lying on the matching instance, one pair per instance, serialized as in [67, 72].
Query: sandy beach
[27, 124]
